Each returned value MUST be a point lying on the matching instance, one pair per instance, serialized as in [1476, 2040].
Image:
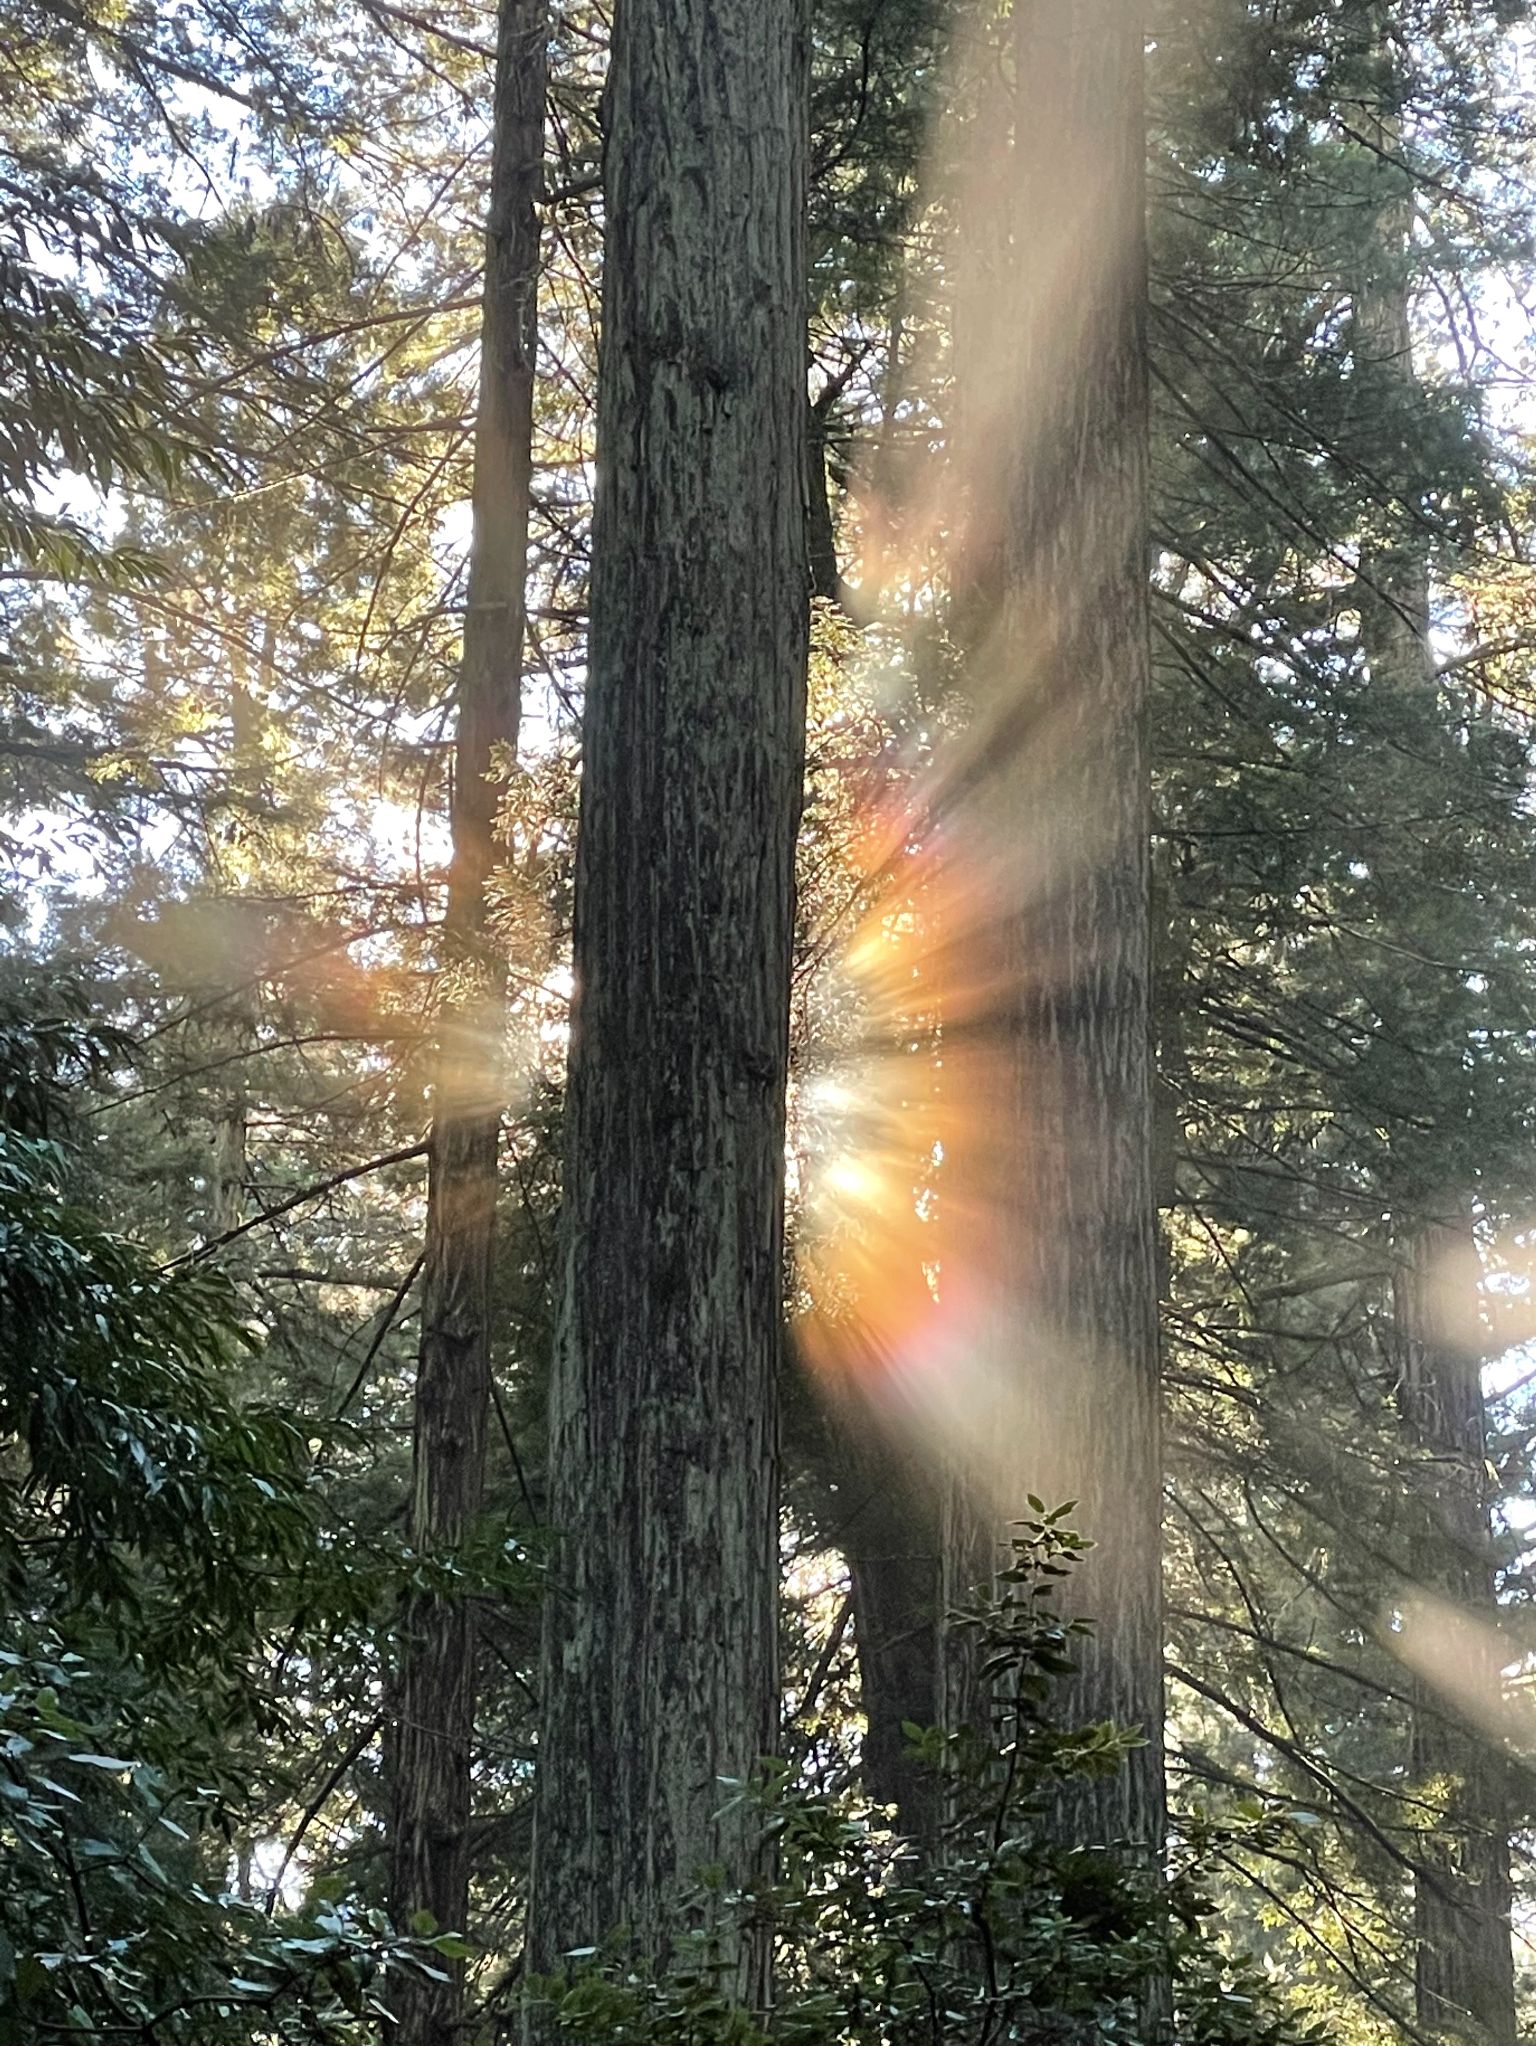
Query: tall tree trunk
[227, 1164]
[660, 1655]
[821, 533]
[1053, 580]
[891, 1543]
[1463, 1959]
[821, 527]
[1464, 1984]
[237, 1021]
[431, 1844]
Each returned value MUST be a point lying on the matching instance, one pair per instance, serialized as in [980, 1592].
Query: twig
[308, 1193]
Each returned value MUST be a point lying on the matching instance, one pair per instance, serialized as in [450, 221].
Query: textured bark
[227, 1165]
[237, 1019]
[891, 1543]
[826, 577]
[1053, 588]
[660, 1659]
[1463, 1959]
[436, 1687]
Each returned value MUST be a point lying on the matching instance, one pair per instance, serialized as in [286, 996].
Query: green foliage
[150, 1523]
[117, 1912]
[86, 389]
[139, 1489]
[1343, 911]
[110, 1391]
[1003, 1934]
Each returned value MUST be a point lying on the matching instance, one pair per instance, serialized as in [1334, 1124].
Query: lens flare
[909, 1234]
[1470, 1664]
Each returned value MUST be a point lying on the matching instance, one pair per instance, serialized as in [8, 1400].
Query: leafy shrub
[1003, 1934]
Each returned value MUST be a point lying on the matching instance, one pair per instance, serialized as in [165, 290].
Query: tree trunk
[237, 1020]
[1052, 579]
[1464, 1983]
[891, 1543]
[431, 1844]
[1463, 1959]
[821, 532]
[660, 1653]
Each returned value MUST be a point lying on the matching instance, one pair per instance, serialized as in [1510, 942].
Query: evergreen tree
[432, 1757]
[660, 1664]
[1052, 586]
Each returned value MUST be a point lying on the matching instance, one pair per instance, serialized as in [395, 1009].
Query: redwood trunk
[431, 1844]
[660, 1656]
[1053, 588]
[891, 1543]
[1463, 1959]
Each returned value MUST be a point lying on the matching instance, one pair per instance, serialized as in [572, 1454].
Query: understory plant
[1004, 1932]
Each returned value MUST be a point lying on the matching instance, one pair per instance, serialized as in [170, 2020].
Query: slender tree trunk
[236, 1021]
[826, 575]
[1463, 1959]
[431, 1845]
[660, 1656]
[891, 1543]
[1053, 581]
[227, 1165]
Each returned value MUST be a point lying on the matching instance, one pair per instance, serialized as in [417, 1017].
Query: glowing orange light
[893, 1251]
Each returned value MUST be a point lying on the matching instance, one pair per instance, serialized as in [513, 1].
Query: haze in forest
[766, 1088]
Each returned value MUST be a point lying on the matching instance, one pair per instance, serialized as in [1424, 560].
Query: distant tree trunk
[1463, 1959]
[826, 576]
[660, 1656]
[891, 1544]
[1053, 582]
[236, 1021]
[227, 1165]
[431, 1843]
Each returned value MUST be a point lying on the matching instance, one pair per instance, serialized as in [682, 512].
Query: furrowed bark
[1052, 586]
[821, 533]
[436, 1678]
[237, 1020]
[891, 1544]
[1464, 1982]
[660, 1655]
[1464, 1986]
